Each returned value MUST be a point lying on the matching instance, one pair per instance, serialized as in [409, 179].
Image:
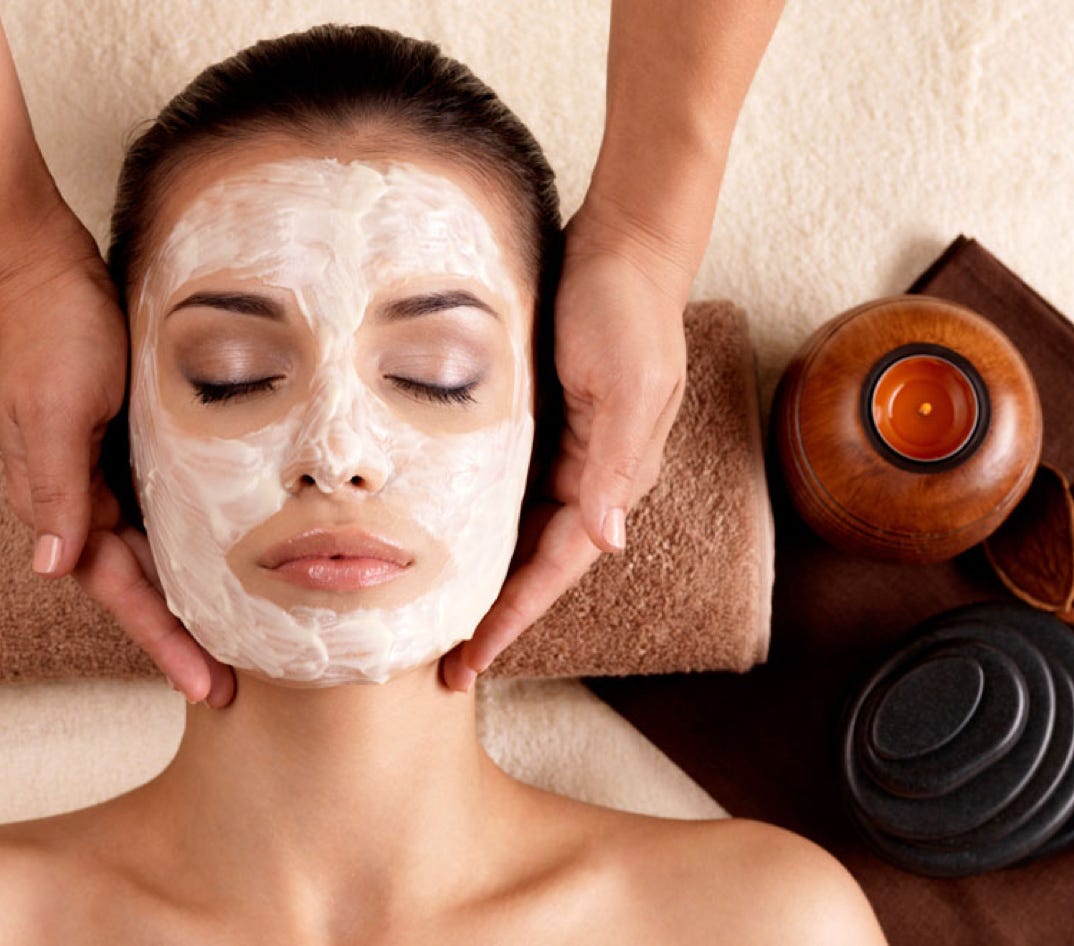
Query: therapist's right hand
[63, 367]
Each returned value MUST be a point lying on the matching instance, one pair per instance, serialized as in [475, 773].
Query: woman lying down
[337, 252]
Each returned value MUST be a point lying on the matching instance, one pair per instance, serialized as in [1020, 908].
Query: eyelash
[432, 392]
[209, 393]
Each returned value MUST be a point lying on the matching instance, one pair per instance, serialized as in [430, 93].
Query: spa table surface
[764, 743]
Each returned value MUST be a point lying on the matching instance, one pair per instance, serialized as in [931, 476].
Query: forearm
[678, 72]
[26, 187]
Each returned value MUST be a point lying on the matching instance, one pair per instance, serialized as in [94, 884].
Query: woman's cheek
[466, 491]
[204, 492]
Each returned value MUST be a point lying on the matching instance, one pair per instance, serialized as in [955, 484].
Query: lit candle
[925, 408]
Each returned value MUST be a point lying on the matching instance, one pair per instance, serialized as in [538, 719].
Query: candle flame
[925, 409]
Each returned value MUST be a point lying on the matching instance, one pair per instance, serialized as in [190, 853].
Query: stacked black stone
[957, 755]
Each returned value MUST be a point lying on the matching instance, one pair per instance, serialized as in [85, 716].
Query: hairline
[367, 143]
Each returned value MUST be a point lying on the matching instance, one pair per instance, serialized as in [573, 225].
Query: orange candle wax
[924, 408]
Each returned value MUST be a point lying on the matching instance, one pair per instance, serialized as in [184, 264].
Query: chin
[337, 677]
[292, 683]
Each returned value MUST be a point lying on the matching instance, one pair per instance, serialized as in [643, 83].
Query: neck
[378, 797]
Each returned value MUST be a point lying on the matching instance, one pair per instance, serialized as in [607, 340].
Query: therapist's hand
[620, 354]
[63, 357]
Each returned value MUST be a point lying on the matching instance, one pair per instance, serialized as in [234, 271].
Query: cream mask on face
[324, 426]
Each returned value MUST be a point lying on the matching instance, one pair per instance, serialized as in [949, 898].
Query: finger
[564, 553]
[109, 572]
[649, 471]
[222, 685]
[621, 439]
[58, 478]
[648, 475]
[138, 543]
[104, 506]
[18, 493]
[564, 477]
[222, 677]
[565, 474]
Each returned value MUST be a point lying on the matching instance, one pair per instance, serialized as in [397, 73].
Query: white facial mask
[332, 234]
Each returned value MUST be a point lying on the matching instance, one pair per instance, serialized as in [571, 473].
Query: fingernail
[467, 676]
[178, 689]
[47, 552]
[614, 528]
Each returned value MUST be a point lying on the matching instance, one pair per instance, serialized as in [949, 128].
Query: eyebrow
[414, 306]
[252, 303]
[245, 303]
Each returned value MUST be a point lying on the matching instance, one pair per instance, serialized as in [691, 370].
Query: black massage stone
[958, 752]
[995, 721]
[953, 683]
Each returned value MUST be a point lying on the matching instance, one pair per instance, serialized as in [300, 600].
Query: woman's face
[331, 410]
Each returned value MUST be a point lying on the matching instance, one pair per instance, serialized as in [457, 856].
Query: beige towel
[692, 591]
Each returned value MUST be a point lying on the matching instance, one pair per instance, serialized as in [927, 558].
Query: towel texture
[692, 591]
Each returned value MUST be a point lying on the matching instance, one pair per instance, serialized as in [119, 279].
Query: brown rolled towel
[691, 592]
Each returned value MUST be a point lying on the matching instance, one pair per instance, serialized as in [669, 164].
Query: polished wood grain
[853, 495]
[1032, 552]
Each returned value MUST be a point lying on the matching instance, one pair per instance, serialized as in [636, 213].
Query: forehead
[292, 218]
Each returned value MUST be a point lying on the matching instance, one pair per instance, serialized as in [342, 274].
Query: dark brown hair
[326, 81]
[334, 80]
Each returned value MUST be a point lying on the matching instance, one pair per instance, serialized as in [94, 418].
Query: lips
[328, 560]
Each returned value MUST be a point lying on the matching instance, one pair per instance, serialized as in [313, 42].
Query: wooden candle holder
[862, 495]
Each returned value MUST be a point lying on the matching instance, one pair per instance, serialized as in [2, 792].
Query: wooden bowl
[843, 474]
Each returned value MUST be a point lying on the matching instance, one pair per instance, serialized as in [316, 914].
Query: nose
[337, 446]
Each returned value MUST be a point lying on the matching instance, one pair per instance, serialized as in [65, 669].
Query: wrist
[26, 185]
[662, 190]
[603, 229]
[29, 203]
[663, 208]
[41, 238]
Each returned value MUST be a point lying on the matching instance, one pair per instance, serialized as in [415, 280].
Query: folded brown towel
[48, 628]
[763, 743]
[692, 591]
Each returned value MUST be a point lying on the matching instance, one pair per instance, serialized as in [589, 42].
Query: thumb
[618, 440]
[59, 484]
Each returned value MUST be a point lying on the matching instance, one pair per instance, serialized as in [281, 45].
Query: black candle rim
[980, 390]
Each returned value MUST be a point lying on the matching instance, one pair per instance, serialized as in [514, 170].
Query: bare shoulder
[743, 882]
[27, 875]
[650, 880]
[54, 885]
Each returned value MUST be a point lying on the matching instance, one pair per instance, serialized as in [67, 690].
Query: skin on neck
[330, 806]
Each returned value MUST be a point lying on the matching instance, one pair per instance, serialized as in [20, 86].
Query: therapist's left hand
[620, 354]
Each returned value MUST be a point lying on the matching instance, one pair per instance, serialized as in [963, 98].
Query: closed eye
[210, 392]
[433, 392]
